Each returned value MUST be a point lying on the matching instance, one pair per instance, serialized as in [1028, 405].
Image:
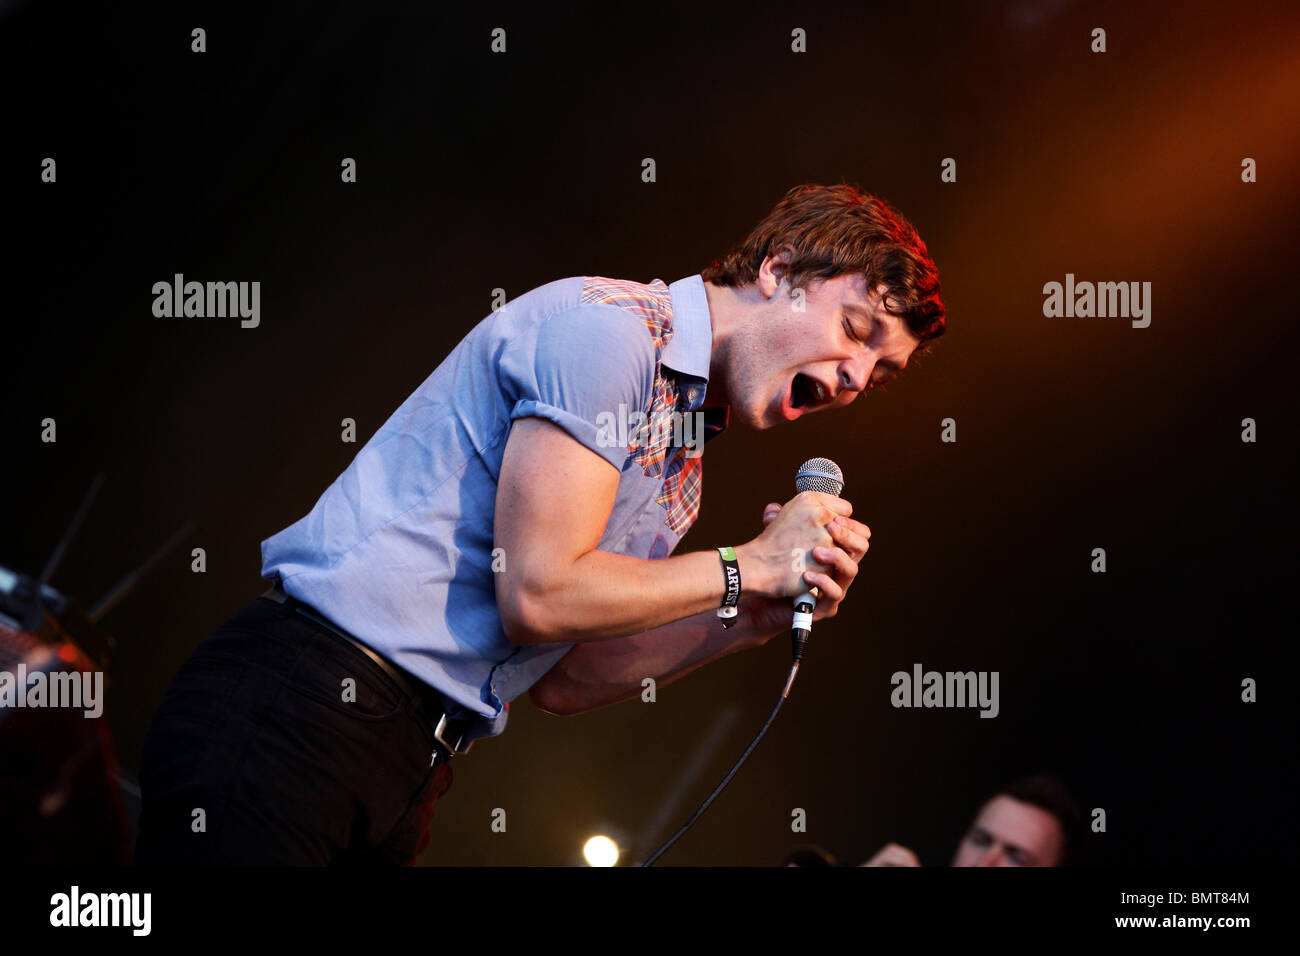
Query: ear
[774, 270]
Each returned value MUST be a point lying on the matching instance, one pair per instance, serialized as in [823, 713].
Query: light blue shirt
[398, 551]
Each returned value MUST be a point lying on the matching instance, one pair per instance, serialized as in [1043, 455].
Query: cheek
[787, 352]
[765, 360]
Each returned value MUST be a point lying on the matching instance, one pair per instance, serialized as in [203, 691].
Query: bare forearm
[595, 674]
[604, 596]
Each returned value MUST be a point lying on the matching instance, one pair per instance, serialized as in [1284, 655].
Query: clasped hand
[811, 541]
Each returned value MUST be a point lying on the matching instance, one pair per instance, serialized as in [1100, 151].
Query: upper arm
[554, 498]
[560, 469]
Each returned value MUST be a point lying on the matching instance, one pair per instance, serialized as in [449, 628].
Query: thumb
[770, 513]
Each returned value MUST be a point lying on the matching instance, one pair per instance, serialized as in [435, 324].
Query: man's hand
[891, 854]
[850, 538]
[774, 563]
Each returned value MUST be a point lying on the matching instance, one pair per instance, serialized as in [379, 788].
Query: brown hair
[838, 230]
[1048, 793]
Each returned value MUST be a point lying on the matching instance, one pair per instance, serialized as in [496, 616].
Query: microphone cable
[794, 669]
[816, 474]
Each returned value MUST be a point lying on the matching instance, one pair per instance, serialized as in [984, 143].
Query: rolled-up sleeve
[586, 369]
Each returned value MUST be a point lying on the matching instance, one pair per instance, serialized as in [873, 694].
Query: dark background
[479, 170]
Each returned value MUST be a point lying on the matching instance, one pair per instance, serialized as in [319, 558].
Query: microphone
[816, 474]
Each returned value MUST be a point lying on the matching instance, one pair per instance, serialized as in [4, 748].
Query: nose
[992, 856]
[854, 375]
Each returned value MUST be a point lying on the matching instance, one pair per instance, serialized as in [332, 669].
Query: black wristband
[731, 574]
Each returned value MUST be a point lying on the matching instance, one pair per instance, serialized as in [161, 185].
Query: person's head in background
[1032, 822]
[809, 854]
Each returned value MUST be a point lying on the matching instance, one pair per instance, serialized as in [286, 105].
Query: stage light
[600, 851]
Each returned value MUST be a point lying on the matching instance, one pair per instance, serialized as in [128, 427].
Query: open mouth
[806, 393]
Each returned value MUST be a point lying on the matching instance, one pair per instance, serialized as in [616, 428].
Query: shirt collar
[689, 349]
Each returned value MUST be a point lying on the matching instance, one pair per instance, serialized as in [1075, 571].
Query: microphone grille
[820, 474]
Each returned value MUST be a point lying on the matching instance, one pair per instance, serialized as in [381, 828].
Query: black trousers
[255, 757]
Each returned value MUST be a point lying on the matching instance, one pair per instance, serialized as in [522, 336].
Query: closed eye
[884, 371]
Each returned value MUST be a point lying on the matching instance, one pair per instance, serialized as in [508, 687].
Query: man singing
[509, 529]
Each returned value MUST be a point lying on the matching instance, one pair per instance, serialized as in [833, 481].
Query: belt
[448, 732]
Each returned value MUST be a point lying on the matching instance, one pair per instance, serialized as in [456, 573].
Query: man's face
[1010, 833]
[784, 364]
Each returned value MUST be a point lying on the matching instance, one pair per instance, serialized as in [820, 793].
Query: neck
[726, 306]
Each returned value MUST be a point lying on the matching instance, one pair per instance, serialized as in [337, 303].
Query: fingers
[838, 505]
[853, 536]
[857, 527]
[832, 587]
[893, 855]
[838, 559]
[826, 584]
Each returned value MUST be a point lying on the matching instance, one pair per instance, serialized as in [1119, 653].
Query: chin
[760, 423]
